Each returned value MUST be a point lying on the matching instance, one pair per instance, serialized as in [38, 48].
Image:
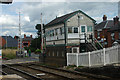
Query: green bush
[9, 56]
[38, 51]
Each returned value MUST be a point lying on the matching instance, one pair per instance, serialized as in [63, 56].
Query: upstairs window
[56, 31]
[52, 32]
[75, 29]
[69, 29]
[82, 28]
[113, 36]
[61, 31]
[89, 29]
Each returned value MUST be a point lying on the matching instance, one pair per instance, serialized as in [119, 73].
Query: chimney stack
[116, 20]
[24, 35]
[104, 17]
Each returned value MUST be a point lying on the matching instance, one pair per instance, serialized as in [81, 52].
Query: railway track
[49, 73]
[70, 73]
[11, 70]
[39, 73]
[3, 73]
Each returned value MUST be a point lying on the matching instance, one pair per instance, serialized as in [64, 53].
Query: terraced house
[70, 33]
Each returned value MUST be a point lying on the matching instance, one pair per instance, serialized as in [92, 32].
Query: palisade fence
[95, 58]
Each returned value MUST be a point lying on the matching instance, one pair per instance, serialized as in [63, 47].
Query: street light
[6, 1]
[79, 18]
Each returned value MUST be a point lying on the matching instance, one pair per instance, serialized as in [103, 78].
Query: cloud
[30, 13]
[27, 18]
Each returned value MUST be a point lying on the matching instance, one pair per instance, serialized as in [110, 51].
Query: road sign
[6, 1]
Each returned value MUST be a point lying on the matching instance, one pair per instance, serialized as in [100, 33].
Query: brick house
[2, 42]
[108, 31]
[26, 41]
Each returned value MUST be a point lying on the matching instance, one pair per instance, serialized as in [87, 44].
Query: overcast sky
[30, 13]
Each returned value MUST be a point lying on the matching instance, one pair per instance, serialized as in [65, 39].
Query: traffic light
[38, 27]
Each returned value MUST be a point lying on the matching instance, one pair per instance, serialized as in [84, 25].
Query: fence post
[77, 59]
[118, 53]
[104, 56]
[67, 59]
[89, 59]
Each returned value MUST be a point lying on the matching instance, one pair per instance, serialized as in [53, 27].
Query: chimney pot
[104, 17]
[116, 20]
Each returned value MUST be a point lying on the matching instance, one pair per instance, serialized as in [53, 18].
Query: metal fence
[95, 58]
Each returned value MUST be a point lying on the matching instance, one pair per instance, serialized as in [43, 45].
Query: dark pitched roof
[11, 42]
[63, 18]
[115, 27]
[108, 24]
[105, 24]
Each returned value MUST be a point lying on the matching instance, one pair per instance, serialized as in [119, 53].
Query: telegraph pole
[41, 35]
[42, 43]
[19, 39]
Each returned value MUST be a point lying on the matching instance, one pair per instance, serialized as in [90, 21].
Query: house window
[98, 34]
[61, 31]
[53, 53]
[113, 36]
[119, 35]
[75, 29]
[89, 28]
[52, 32]
[69, 29]
[82, 28]
[56, 31]
[57, 53]
[62, 54]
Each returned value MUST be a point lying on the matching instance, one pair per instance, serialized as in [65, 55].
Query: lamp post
[79, 18]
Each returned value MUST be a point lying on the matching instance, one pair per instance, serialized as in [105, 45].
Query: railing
[95, 58]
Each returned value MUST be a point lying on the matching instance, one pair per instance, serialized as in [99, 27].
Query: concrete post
[89, 64]
[104, 56]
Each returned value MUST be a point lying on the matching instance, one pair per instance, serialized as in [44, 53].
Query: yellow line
[19, 62]
[29, 61]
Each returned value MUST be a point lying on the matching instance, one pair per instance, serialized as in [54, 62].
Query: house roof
[11, 42]
[107, 24]
[64, 18]
[115, 27]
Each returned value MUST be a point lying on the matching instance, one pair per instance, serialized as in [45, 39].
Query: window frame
[89, 28]
[74, 29]
[82, 29]
[70, 31]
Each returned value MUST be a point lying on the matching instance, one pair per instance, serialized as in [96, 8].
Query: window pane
[75, 30]
[70, 30]
[56, 32]
[89, 28]
[82, 28]
[61, 31]
[74, 50]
